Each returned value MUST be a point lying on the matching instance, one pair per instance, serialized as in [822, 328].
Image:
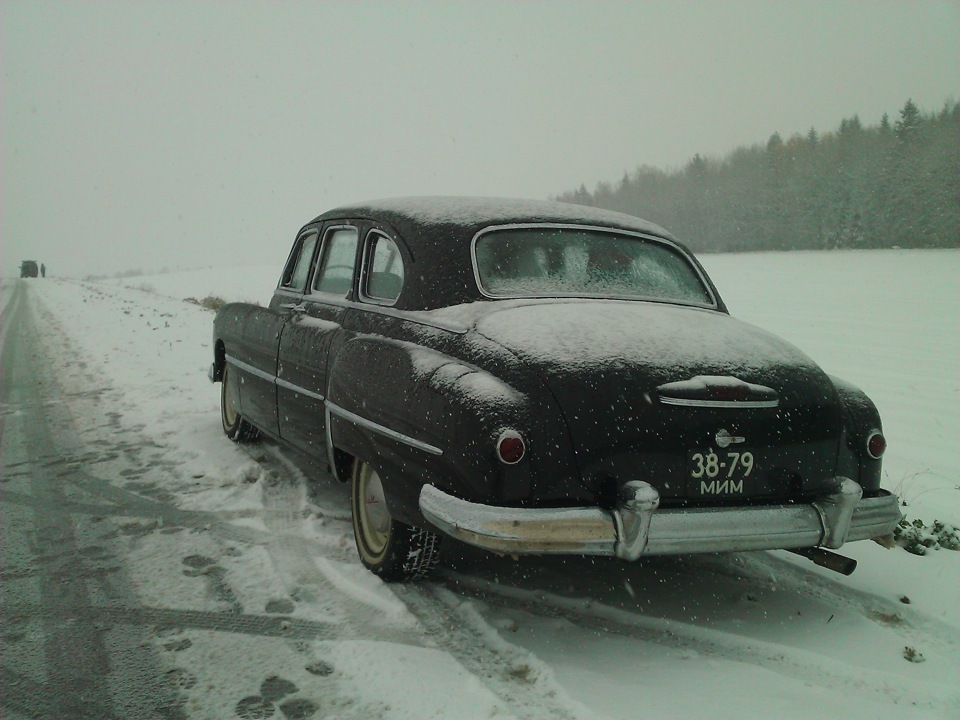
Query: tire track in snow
[80, 661]
[511, 677]
[913, 627]
[792, 662]
[162, 618]
[296, 559]
[524, 683]
[107, 491]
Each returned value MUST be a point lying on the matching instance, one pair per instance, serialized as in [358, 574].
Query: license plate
[721, 473]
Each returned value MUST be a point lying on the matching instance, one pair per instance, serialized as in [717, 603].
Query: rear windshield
[582, 262]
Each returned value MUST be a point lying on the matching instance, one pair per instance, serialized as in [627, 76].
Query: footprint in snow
[255, 708]
[298, 709]
[197, 565]
[178, 645]
[272, 690]
[320, 668]
[181, 678]
[280, 607]
[275, 688]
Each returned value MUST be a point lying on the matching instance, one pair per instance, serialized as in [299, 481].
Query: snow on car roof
[478, 212]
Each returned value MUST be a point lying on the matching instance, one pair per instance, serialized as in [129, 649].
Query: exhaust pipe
[827, 559]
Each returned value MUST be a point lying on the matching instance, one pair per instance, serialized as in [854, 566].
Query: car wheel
[235, 427]
[389, 548]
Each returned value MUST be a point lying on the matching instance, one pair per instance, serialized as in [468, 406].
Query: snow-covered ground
[727, 636]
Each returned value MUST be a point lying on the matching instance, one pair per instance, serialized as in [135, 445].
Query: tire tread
[423, 555]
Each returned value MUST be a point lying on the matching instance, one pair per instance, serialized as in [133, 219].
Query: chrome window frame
[297, 245]
[312, 292]
[366, 263]
[674, 247]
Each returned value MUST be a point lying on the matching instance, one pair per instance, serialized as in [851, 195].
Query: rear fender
[420, 416]
[860, 419]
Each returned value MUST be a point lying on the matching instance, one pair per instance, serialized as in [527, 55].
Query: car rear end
[691, 431]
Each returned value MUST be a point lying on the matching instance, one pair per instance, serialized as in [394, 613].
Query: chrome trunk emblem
[725, 439]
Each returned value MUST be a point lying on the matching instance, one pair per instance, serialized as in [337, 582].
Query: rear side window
[298, 267]
[384, 269]
[335, 274]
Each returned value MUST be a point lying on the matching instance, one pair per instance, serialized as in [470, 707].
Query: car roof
[471, 214]
[438, 230]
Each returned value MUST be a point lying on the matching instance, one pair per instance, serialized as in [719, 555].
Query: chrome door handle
[294, 307]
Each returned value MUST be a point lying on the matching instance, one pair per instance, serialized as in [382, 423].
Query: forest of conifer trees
[896, 184]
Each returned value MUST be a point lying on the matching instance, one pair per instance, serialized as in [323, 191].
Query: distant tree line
[896, 184]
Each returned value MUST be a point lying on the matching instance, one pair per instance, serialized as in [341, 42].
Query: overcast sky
[182, 134]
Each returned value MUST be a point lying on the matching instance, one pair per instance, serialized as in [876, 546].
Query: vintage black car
[29, 269]
[538, 377]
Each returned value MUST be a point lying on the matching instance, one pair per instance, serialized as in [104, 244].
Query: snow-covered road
[207, 580]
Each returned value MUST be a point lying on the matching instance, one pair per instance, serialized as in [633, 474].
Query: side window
[384, 269]
[335, 274]
[298, 268]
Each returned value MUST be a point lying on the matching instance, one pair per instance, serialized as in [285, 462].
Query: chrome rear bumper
[636, 527]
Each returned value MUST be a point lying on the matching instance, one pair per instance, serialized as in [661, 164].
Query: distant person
[43, 270]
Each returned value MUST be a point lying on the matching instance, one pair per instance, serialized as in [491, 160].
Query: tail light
[510, 447]
[876, 444]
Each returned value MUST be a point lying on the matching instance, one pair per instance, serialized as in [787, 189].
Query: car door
[261, 334]
[308, 336]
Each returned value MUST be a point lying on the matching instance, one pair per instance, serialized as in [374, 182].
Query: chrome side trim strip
[731, 404]
[250, 369]
[297, 389]
[412, 316]
[273, 378]
[335, 409]
[330, 448]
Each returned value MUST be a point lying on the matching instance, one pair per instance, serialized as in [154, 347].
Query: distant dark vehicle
[29, 269]
[534, 377]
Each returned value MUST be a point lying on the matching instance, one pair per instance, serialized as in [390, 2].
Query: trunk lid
[646, 388]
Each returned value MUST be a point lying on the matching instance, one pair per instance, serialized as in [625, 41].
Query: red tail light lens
[510, 447]
[876, 444]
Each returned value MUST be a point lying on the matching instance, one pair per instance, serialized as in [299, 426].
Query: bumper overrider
[636, 527]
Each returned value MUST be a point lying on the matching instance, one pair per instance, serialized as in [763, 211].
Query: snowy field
[726, 636]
